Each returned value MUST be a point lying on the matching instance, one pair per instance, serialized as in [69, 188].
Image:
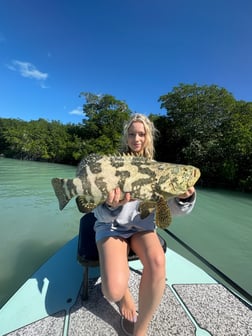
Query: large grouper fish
[149, 181]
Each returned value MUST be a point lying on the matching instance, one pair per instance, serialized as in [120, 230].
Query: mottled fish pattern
[150, 181]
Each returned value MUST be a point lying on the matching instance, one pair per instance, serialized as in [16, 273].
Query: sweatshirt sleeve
[182, 207]
[106, 214]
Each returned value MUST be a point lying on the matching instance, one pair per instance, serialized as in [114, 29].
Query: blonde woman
[119, 228]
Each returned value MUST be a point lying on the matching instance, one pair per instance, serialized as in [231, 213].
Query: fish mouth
[196, 174]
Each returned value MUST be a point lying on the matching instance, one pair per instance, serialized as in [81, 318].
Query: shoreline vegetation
[203, 125]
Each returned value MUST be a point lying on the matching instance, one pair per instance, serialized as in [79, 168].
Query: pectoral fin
[163, 214]
[145, 208]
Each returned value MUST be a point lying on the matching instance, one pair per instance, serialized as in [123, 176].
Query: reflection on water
[33, 228]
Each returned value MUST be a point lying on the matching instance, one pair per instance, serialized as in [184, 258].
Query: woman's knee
[154, 266]
[157, 263]
[114, 289]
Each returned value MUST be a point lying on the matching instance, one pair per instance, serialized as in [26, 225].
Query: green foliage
[37, 140]
[210, 129]
[103, 123]
[204, 126]
[199, 115]
[100, 132]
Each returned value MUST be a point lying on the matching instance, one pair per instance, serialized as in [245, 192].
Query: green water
[32, 228]
[220, 230]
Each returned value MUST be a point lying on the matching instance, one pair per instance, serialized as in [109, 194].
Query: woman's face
[136, 137]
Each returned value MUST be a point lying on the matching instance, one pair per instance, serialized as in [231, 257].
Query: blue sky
[135, 50]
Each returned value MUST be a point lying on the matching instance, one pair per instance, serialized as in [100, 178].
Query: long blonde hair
[150, 133]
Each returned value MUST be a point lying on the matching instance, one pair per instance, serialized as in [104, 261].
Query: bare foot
[127, 307]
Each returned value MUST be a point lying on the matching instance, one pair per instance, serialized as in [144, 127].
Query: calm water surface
[32, 228]
[220, 230]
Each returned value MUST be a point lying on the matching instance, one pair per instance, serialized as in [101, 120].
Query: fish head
[176, 179]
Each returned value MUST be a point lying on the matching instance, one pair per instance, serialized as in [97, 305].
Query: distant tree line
[204, 126]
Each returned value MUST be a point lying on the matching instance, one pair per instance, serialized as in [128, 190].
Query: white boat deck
[49, 303]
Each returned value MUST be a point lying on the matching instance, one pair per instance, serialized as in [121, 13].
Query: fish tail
[58, 186]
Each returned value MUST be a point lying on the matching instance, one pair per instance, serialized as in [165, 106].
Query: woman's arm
[111, 208]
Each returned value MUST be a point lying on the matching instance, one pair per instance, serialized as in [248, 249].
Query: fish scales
[146, 180]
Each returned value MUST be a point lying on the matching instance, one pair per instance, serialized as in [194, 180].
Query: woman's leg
[148, 248]
[113, 256]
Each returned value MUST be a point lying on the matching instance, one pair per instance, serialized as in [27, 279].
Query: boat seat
[87, 253]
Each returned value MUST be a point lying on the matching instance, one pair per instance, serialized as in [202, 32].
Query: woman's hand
[187, 194]
[114, 198]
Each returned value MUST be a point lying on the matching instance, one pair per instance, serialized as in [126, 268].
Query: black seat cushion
[87, 249]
